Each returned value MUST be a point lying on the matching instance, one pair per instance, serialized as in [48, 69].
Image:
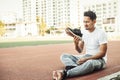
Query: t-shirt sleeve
[102, 38]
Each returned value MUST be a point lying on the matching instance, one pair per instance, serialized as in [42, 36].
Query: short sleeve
[103, 38]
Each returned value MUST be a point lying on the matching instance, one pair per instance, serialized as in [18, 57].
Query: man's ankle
[69, 67]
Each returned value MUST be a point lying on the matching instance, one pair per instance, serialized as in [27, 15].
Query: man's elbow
[104, 50]
[78, 50]
[103, 53]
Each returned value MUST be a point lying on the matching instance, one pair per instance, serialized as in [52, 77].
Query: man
[95, 42]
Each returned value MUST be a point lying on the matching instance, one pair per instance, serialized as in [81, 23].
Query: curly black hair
[90, 14]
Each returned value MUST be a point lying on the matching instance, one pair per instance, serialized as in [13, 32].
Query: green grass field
[31, 43]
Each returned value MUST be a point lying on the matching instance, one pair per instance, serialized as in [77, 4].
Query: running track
[38, 62]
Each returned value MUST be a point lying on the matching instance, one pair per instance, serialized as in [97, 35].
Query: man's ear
[94, 21]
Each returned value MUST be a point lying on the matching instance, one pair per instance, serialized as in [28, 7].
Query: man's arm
[102, 52]
[79, 44]
[77, 40]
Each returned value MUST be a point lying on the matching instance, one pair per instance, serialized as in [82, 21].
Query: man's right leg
[70, 62]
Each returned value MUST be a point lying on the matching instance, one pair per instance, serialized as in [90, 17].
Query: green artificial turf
[31, 43]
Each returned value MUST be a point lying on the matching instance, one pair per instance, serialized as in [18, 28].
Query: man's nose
[85, 24]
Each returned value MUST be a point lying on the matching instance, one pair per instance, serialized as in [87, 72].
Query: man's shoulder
[100, 31]
[97, 31]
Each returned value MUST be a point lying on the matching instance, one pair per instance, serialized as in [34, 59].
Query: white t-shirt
[93, 41]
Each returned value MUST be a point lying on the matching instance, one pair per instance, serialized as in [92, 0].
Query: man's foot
[55, 76]
[60, 74]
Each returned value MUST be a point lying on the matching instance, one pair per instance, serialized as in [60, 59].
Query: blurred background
[22, 20]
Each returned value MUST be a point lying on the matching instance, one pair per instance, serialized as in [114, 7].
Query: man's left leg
[85, 68]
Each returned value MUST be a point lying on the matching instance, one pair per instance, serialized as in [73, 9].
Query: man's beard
[86, 28]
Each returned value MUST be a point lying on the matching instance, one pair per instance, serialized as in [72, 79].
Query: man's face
[88, 23]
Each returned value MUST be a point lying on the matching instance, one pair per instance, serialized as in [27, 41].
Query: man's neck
[91, 30]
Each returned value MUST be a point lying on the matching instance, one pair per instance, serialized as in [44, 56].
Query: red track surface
[38, 62]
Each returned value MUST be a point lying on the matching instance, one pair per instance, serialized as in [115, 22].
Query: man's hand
[69, 32]
[82, 60]
[78, 44]
[76, 40]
